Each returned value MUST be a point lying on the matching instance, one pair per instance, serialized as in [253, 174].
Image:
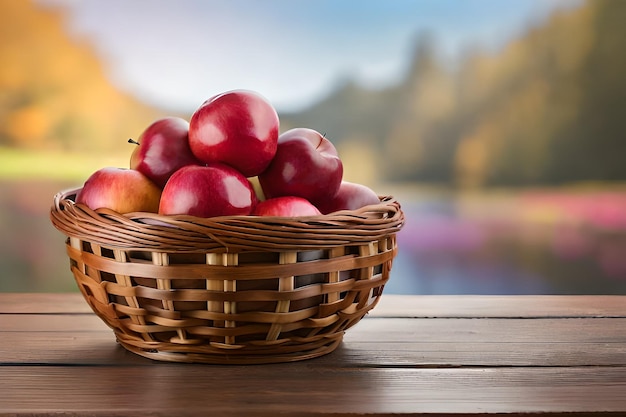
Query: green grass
[54, 165]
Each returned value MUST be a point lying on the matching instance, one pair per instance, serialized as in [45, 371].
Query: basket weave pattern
[238, 289]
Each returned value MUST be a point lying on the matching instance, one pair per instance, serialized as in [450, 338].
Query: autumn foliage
[546, 109]
[54, 93]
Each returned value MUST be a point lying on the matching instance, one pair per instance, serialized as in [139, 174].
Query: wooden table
[413, 355]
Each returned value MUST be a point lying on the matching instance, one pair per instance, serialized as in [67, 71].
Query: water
[531, 242]
[523, 242]
[32, 253]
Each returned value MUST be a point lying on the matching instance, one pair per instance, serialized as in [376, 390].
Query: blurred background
[500, 126]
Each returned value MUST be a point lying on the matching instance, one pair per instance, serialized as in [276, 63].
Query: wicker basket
[238, 289]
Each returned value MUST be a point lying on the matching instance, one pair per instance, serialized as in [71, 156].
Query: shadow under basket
[232, 289]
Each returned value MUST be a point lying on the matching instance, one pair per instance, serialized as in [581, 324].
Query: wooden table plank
[583, 330]
[46, 323]
[101, 349]
[484, 306]
[43, 303]
[372, 342]
[391, 305]
[283, 389]
[423, 355]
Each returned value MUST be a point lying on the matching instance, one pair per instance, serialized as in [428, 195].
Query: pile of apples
[229, 159]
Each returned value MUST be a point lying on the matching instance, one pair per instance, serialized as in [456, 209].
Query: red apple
[120, 189]
[207, 191]
[350, 196]
[162, 149]
[306, 165]
[288, 206]
[238, 128]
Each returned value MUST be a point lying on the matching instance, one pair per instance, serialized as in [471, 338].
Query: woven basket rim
[184, 233]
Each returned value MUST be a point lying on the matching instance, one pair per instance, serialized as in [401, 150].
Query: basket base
[237, 357]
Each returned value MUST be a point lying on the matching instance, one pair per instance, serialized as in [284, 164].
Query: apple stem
[133, 141]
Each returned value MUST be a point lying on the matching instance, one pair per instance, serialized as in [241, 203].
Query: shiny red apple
[238, 128]
[162, 149]
[306, 165]
[350, 196]
[207, 191]
[120, 189]
[288, 206]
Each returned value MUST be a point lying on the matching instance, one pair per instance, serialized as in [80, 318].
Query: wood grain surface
[413, 355]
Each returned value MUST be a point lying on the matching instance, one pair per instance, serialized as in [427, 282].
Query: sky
[176, 54]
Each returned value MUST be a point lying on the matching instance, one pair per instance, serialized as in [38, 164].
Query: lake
[565, 241]
[568, 241]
